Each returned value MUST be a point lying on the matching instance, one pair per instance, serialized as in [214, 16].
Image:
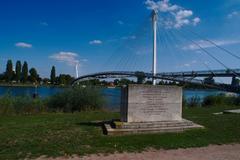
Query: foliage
[53, 75]
[194, 101]
[184, 101]
[76, 99]
[25, 72]
[9, 70]
[21, 74]
[140, 77]
[33, 75]
[220, 99]
[18, 71]
[209, 80]
[64, 79]
[10, 105]
[71, 100]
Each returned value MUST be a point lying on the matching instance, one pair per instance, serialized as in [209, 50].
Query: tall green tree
[25, 72]
[9, 71]
[18, 71]
[53, 75]
[33, 75]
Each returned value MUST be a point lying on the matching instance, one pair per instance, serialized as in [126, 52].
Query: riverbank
[31, 85]
[62, 134]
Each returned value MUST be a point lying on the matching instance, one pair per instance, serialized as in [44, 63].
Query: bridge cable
[207, 66]
[215, 44]
[199, 57]
[118, 57]
[126, 58]
[213, 57]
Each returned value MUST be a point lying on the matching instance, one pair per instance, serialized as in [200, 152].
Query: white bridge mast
[154, 65]
[76, 69]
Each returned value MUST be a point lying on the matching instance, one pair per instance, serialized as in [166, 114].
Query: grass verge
[67, 134]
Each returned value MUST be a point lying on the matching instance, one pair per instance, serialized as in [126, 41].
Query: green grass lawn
[66, 134]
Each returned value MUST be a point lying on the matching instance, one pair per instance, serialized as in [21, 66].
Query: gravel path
[213, 152]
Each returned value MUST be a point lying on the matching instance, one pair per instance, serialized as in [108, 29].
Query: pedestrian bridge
[183, 77]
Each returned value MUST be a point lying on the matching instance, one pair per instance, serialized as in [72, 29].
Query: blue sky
[116, 34]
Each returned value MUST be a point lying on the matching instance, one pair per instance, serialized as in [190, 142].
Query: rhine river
[112, 95]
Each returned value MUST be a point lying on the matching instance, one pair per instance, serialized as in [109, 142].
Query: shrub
[20, 105]
[237, 101]
[76, 99]
[184, 101]
[220, 99]
[6, 105]
[194, 101]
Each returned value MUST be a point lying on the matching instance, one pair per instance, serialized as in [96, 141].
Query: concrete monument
[147, 109]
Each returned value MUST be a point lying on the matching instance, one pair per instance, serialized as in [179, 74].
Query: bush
[20, 105]
[194, 101]
[71, 100]
[237, 101]
[76, 99]
[184, 101]
[220, 99]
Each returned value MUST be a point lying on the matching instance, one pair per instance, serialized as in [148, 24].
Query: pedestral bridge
[192, 77]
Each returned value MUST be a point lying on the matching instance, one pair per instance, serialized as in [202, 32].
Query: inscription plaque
[146, 103]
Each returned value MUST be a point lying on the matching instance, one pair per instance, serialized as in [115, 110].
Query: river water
[112, 94]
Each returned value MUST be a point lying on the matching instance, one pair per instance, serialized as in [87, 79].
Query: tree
[116, 82]
[148, 82]
[53, 75]
[62, 80]
[209, 80]
[161, 82]
[25, 72]
[124, 82]
[140, 77]
[45, 80]
[18, 71]
[9, 71]
[33, 75]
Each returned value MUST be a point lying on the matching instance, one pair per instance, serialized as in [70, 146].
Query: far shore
[29, 85]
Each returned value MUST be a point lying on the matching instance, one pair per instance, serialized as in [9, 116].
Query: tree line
[22, 74]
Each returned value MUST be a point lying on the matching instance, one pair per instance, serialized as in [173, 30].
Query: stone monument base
[123, 128]
[150, 109]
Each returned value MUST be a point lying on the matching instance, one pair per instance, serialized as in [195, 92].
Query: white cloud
[44, 23]
[186, 65]
[120, 22]
[205, 44]
[163, 6]
[95, 42]
[84, 60]
[132, 37]
[233, 14]
[193, 62]
[184, 14]
[178, 16]
[69, 58]
[23, 45]
[196, 21]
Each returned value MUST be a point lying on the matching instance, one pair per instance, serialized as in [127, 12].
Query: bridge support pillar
[154, 67]
[235, 82]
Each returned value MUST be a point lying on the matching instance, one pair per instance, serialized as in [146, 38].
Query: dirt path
[223, 152]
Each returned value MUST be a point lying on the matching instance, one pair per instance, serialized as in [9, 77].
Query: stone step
[123, 131]
[153, 124]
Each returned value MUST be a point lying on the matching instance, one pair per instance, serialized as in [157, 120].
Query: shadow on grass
[97, 124]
